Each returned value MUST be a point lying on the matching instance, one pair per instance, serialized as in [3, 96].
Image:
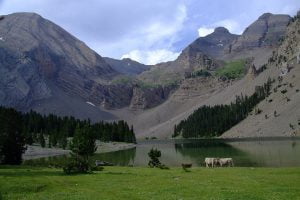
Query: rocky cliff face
[264, 32]
[144, 98]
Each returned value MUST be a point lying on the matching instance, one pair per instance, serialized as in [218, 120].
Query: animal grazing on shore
[225, 162]
[212, 162]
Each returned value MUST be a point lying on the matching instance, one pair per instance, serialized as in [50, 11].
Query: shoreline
[36, 151]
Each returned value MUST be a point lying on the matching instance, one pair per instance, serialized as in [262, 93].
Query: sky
[148, 31]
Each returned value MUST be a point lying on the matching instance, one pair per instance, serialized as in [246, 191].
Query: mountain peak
[265, 16]
[221, 30]
[25, 14]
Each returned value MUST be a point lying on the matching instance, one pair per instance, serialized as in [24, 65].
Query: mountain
[214, 43]
[202, 54]
[44, 68]
[195, 92]
[280, 112]
[127, 66]
[40, 61]
[266, 31]
[259, 39]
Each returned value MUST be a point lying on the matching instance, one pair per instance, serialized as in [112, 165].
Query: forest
[18, 129]
[213, 121]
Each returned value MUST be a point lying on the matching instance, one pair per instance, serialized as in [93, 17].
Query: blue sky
[149, 31]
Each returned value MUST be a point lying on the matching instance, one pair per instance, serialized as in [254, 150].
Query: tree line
[212, 121]
[18, 129]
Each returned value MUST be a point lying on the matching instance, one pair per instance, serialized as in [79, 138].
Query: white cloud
[204, 31]
[145, 26]
[152, 57]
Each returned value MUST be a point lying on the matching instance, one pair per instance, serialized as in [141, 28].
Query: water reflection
[269, 153]
[122, 158]
[199, 150]
[272, 153]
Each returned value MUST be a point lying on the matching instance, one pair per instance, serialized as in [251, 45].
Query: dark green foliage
[154, 154]
[83, 146]
[58, 129]
[199, 73]
[12, 138]
[42, 140]
[213, 121]
[18, 129]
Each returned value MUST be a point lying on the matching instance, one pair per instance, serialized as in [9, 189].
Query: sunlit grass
[145, 183]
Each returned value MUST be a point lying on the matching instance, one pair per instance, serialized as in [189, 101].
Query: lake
[276, 152]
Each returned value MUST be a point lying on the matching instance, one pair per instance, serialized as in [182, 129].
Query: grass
[232, 70]
[145, 183]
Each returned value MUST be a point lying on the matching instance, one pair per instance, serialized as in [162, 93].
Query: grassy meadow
[232, 70]
[145, 183]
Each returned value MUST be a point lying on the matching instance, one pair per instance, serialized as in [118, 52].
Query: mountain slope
[193, 93]
[259, 39]
[39, 58]
[280, 112]
[127, 66]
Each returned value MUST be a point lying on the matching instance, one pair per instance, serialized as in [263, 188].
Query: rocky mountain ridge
[46, 69]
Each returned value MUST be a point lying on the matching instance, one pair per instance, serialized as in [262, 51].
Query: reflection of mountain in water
[199, 150]
[244, 153]
[275, 153]
[122, 158]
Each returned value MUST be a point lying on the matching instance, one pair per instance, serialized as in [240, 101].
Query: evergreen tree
[212, 121]
[12, 139]
[83, 146]
[42, 140]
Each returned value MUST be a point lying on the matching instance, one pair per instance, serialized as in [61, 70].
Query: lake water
[245, 153]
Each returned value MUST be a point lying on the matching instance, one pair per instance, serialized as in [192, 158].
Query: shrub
[283, 91]
[83, 145]
[154, 154]
[257, 111]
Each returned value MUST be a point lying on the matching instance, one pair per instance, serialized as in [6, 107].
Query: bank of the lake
[145, 183]
[36, 151]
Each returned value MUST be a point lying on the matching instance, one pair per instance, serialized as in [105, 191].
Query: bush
[154, 154]
[258, 111]
[77, 165]
[83, 146]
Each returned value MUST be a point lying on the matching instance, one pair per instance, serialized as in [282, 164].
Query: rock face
[264, 32]
[127, 66]
[144, 98]
[214, 43]
[40, 60]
